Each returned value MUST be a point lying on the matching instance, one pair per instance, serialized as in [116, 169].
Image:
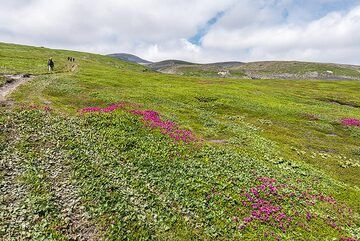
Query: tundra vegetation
[107, 151]
[292, 70]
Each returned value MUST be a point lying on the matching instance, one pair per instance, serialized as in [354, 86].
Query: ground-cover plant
[109, 108]
[100, 80]
[151, 119]
[282, 206]
[110, 175]
[127, 181]
[350, 122]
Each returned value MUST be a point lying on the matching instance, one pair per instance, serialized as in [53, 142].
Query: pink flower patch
[273, 204]
[151, 119]
[347, 239]
[350, 122]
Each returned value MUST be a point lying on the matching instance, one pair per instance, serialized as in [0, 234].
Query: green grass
[2, 80]
[300, 68]
[206, 71]
[135, 182]
[270, 69]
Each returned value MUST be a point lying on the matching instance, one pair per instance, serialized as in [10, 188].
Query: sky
[193, 30]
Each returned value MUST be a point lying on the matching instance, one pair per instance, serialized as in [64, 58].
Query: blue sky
[318, 9]
[203, 30]
[193, 30]
[314, 10]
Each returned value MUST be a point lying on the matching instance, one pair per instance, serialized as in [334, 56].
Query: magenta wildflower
[274, 205]
[47, 108]
[241, 227]
[308, 216]
[263, 203]
[347, 239]
[247, 220]
[350, 122]
[153, 120]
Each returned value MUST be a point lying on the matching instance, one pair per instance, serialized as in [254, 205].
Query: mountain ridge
[129, 58]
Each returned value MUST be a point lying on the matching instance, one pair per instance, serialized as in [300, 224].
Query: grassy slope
[293, 67]
[195, 70]
[268, 126]
[269, 69]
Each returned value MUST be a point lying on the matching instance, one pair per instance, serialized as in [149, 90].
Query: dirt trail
[13, 81]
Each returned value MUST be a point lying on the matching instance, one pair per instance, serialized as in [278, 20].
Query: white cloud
[181, 49]
[103, 23]
[335, 37]
[313, 30]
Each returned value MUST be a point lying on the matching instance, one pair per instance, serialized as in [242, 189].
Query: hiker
[50, 65]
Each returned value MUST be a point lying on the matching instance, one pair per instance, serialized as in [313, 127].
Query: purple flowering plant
[350, 122]
[151, 119]
[284, 207]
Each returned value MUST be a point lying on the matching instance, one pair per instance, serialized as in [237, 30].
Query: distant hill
[261, 70]
[251, 70]
[158, 66]
[130, 58]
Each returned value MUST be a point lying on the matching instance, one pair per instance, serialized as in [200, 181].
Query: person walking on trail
[51, 64]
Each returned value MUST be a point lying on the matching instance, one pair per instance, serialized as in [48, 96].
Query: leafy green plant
[103, 175]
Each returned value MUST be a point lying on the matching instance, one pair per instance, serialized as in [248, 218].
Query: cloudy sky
[194, 30]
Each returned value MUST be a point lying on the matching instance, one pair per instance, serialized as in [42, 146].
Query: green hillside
[292, 70]
[92, 152]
